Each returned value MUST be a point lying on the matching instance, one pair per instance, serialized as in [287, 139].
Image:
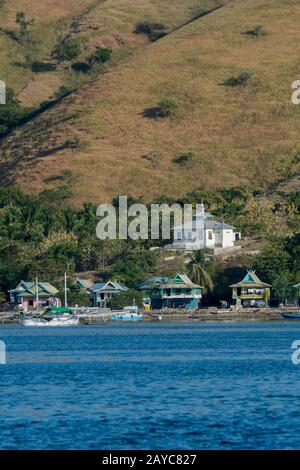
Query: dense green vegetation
[12, 112]
[131, 297]
[67, 49]
[101, 55]
[42, 236]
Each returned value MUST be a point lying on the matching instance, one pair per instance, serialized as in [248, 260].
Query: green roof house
[251, 291]
[25, 296]
[178, 292]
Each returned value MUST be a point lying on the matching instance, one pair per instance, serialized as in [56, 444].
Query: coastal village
[159, 293]
[175, 295]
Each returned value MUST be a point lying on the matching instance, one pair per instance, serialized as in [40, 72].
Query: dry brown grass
[108, 23]
[45, 10]
[237, 134]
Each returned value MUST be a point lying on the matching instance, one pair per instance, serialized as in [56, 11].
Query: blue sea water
[151, 386]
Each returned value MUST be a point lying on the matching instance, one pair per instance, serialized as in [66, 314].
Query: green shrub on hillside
[67, 50]
[287, 167]
[166, 108]
[101, 55]
[11, 113]
[239, 80]
[294, 198]
[75, 143]
[24, 25]
[185, 158]
[256, 32]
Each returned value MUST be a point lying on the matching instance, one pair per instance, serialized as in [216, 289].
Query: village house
[203, 231]
[100, 292]
[177, 292]
[84, 284]
[251, 291]
[27, 294]
[147, 286]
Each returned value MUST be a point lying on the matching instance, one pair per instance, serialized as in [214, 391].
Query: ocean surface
[151, 386]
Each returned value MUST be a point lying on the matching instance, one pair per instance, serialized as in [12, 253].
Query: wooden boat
[127, 314]
[120, 316]
[53, 317]
[55, 321]
[290, 316]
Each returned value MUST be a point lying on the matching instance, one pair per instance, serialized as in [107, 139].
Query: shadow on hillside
[50, 151]
[151, 113]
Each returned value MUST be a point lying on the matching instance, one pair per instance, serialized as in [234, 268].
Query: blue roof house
[102, 292]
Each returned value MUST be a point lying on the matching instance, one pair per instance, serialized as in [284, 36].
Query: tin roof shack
[33, 295]
[178, 292]
[251, 292]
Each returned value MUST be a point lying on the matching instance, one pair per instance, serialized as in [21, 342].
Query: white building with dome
[203, 231]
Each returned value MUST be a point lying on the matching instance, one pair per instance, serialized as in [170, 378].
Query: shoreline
[264, 315]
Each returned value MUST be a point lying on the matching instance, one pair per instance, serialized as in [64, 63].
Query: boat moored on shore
[290, 315]
[52, 317]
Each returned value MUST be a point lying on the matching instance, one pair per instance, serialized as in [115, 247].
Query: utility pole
[66, 298]
[37, 293]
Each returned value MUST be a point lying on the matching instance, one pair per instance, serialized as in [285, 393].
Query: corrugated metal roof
[87, 283]
[103, 285]
[186, 283]
[149, 283]
[209, 224]
[43, 288]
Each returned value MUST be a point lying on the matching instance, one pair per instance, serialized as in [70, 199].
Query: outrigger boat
[291, 316]
[53, 317]
[127, 314]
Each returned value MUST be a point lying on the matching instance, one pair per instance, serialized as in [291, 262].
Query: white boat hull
[54, 322]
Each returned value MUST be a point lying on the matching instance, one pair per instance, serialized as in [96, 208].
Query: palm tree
[68, 219]
[198, 270]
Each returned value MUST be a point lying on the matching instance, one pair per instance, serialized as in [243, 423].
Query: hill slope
[107, 23]
[218, 136]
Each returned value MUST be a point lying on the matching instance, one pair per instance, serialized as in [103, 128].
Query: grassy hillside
[106, 23]
[217, 135]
